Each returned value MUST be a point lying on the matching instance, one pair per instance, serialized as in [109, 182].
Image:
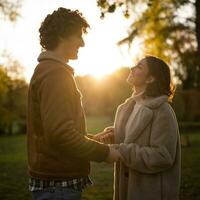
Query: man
[59, 149]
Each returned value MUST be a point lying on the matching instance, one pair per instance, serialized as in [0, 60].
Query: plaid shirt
[76, 184]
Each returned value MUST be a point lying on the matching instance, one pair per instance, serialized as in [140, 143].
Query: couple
[143, 142]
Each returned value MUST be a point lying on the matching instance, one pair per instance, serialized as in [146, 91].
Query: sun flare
[100, 60]
[99, 76]
[99, 57]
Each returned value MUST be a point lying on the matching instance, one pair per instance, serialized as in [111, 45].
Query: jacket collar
[49, 55]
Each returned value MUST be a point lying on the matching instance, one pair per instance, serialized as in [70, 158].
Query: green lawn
[13, 177]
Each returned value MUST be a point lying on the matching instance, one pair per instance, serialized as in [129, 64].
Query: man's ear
[151, 79]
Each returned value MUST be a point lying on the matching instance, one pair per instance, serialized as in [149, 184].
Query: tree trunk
[197, 7]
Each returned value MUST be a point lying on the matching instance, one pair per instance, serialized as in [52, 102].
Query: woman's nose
[132, 69]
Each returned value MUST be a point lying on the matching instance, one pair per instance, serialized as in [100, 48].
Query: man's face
[71, 45]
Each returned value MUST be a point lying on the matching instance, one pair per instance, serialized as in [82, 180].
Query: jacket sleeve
[59, 129]
[160, 154]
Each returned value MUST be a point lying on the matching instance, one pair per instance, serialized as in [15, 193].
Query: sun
[97, 63]
[100, 60]
[99, 57]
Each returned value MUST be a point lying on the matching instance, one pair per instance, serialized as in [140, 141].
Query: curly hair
[62, 23]
[162, 84]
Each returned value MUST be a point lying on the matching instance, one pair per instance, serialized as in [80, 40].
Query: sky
[99, 57]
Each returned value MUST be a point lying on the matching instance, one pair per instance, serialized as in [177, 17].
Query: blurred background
[122, 32]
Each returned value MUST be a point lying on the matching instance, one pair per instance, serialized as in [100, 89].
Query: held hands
[107, 136]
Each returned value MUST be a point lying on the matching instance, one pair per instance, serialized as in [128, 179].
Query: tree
[13, 99]
[10, 84]
[165, 33]
[14, 96]
[10, 9]
[15, 105]
[4, 80]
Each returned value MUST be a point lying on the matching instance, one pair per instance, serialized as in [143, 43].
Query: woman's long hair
[162, 84]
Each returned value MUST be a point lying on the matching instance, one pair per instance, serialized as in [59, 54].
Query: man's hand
[106, 136]
[98, 135]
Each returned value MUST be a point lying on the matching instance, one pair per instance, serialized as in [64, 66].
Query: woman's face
[139, 75]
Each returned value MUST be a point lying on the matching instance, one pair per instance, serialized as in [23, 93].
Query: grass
[190, 183]
[13, 176]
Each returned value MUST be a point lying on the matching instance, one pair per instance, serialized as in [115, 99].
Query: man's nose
[82, 43]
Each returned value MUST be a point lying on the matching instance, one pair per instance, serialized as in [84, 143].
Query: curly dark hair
[61, 24]
[162, 84]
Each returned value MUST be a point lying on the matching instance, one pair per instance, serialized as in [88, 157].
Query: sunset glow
[101, 54]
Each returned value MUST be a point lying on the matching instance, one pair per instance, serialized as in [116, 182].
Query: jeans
[57, 193]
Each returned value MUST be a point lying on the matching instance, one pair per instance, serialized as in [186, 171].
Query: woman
[147, 137]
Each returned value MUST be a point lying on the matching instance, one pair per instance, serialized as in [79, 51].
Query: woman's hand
[106, 136]
[113, 156]
[109, 129]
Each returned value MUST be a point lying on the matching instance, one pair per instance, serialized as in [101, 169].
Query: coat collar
[154, 103]
[49, 55]
[141, 120]
[139, 123]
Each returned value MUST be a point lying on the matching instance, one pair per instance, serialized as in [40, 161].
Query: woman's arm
[161, 153]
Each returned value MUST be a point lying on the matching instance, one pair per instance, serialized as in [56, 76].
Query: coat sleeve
[60, 132]
[160, 154]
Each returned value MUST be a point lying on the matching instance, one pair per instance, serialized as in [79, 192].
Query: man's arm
[58, 123]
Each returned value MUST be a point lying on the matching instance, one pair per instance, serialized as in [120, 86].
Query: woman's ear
[150, 79]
